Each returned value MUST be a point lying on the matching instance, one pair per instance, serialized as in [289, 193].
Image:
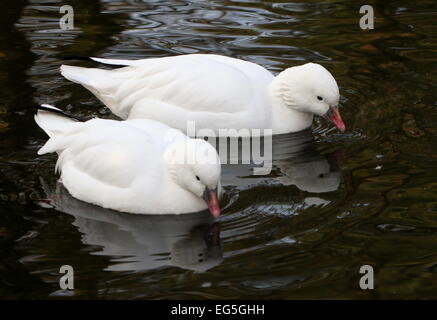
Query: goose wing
[170, 87]
[103, 161]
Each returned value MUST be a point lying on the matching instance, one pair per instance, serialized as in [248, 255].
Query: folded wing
[195, 83]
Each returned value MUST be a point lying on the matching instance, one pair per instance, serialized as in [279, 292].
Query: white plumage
[130, 165]
[216, 92]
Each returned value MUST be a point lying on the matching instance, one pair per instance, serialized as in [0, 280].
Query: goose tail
[90, 78]
[54, 122]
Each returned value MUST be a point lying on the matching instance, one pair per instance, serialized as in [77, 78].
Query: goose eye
[197, 177]
[319, 98]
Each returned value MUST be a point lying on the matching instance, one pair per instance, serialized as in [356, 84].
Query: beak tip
[213, 203]
[335, 117]
[215, 213]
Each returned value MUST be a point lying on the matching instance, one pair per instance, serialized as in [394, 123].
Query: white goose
[216, 92]
[136, 166]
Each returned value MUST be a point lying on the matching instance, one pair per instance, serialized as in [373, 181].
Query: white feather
[120, 164]
[216, 92]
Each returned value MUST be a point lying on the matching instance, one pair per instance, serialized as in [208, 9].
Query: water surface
[332, 203]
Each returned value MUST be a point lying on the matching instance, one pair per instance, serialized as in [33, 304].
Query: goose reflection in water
[192, 241]
[295, 161]
[144, 242]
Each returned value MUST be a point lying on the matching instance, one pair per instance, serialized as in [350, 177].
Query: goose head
[195, 166]
[310, 89]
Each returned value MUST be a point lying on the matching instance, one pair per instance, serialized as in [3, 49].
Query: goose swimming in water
[216, 92]
[137, 166]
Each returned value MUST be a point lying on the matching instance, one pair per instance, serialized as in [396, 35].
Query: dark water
[332, 203]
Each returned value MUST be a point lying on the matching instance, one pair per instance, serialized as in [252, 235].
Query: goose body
[143, 242]
[216, 92]
[128, 165]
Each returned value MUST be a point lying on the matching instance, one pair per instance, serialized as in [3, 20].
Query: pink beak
[333, 115]
[211, 199]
